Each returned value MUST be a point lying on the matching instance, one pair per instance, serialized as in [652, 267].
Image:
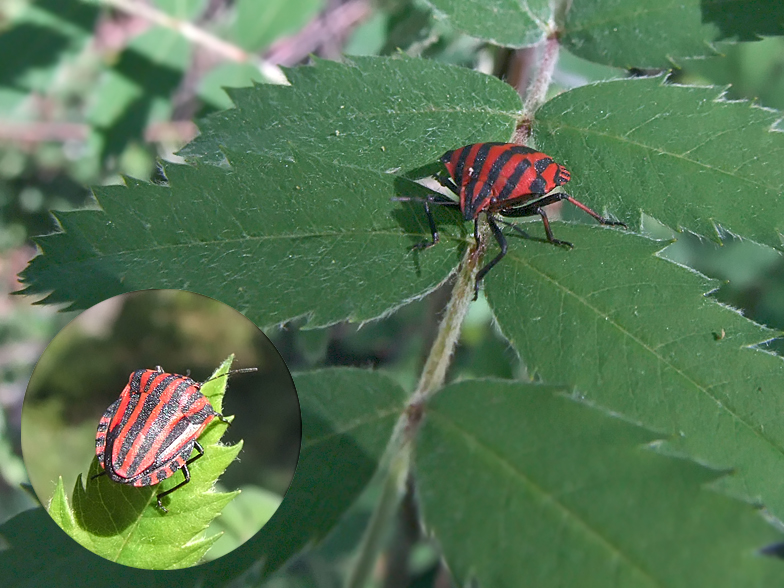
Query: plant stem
[434, 371]
[537, 91]
[383, 515]
[198, 36]
[440, 356]
[401, 446]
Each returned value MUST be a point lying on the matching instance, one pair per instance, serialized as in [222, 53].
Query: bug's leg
[103, 473]
[186, 472]
[499, 237]
[197, 446]
[596, 215]
[520, 231]
[447, 183]
[433, 230]
[222, 418]
[549, 231]
[442, 201]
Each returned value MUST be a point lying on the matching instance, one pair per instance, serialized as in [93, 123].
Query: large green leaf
[640, 33]
[301, 224]
[376, 114]
[525, 487]
[274, 239]
[511, 23]
[677, 153]
[637, 334]
[123, 524]
[347, 420]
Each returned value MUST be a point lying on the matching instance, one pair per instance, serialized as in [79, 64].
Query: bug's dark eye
[562, 176]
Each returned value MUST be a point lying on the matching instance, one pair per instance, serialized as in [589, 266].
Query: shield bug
[502, 179]
[150, 431]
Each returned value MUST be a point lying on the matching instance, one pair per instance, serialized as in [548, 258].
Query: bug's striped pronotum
[150, 431]
[506, 179]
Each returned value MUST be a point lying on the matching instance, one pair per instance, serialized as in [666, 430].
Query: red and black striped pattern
[505, 179]
[149, 432]
[494, 177]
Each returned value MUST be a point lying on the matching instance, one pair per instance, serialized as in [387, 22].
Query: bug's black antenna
[227, 374]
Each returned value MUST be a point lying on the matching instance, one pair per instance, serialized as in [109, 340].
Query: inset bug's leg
[197, 446]
[499, 237]
[185, 472]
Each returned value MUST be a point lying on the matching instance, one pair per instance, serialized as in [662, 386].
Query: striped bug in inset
[150, 431]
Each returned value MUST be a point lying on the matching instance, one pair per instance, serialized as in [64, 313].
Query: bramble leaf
[382, 115]
[638, 335]
[521, 484]
[509, 23]
[678, 153]
[301, 223]
[643, 34]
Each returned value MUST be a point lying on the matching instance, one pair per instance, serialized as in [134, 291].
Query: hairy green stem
[402, 445]
[537, 90]
[434, 371]
[383, 515]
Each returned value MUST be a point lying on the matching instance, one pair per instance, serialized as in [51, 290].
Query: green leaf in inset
[257, 24]
[639, 33]
[123, 524]
[523, 486]
[379, 114]
[510, 23]
[348, 416]
[637, 335]
[680, 154]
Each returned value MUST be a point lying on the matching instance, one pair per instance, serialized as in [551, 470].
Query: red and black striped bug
[150, 431]
[506, 179]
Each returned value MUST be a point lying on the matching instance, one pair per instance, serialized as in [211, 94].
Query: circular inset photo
[161, 429]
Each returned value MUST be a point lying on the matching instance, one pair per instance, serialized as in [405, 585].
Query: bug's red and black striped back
[496, 176]
[149, 432]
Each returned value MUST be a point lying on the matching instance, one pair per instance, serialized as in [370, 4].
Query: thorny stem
[198, 36]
